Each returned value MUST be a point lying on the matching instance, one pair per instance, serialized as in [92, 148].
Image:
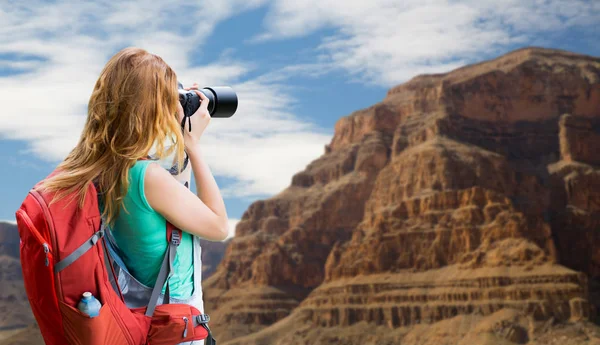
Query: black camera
[223, 101]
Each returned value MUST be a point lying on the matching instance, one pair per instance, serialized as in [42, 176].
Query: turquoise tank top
[141, 237]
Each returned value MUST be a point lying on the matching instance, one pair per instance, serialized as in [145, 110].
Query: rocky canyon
[462, 208]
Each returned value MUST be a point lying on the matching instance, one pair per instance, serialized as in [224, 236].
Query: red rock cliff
[460, 194]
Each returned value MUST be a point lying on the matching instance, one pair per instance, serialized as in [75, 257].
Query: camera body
[222, 101]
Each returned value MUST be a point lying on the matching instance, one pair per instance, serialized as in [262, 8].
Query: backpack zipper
[37, 235]
[46, 250]
[185, 319]
[50, 223]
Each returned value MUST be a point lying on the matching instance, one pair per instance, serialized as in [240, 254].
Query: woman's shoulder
[137, 175]
[141, 166]
[154, 174]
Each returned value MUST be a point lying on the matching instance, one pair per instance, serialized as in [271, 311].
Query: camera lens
[222, 100]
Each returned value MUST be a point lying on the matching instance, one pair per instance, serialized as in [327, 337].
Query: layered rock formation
[460, 195]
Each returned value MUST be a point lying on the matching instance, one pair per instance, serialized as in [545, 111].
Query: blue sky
[297, 66]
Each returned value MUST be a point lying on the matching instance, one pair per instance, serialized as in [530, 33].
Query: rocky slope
[9, 240]
[212, 254]
[14, 306]
[459, 197]
[23, 336]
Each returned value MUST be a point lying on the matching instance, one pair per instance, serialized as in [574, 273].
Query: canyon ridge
[463, 208]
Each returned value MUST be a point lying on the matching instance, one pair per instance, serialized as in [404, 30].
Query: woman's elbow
[225, 235]
[216, 231]
[223, 230]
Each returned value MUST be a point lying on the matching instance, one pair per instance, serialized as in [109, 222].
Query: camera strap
[185, 117]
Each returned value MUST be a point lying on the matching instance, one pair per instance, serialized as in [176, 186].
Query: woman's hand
[199, 120]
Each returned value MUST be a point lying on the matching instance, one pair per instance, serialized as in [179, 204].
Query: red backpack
[63, 255]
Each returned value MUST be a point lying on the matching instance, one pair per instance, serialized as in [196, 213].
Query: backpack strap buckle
[175, 237]
[202, 318]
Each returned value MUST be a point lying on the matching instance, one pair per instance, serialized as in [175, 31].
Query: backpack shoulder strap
[166, 269]
[174, 236]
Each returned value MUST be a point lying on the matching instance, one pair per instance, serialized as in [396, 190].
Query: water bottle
[89, 305]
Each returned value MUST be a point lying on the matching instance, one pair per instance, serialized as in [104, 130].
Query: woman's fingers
[194, 86]
[203, 100]
[202, 95]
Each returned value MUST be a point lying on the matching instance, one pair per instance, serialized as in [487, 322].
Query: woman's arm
[202, 215]
[206, 186]
[212, 197]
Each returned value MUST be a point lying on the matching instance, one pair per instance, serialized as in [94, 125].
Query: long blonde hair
[133, 107]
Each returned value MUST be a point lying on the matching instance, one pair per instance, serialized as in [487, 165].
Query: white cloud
[66, 44]
[11, 221]
[388, 41]
[46, 105]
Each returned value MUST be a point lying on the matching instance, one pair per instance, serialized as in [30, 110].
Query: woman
[135, 105]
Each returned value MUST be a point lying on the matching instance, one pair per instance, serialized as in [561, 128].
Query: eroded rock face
[575, 207]
[460, 193]
[15, 311]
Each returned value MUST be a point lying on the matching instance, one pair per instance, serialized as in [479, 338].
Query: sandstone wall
[459, 194]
